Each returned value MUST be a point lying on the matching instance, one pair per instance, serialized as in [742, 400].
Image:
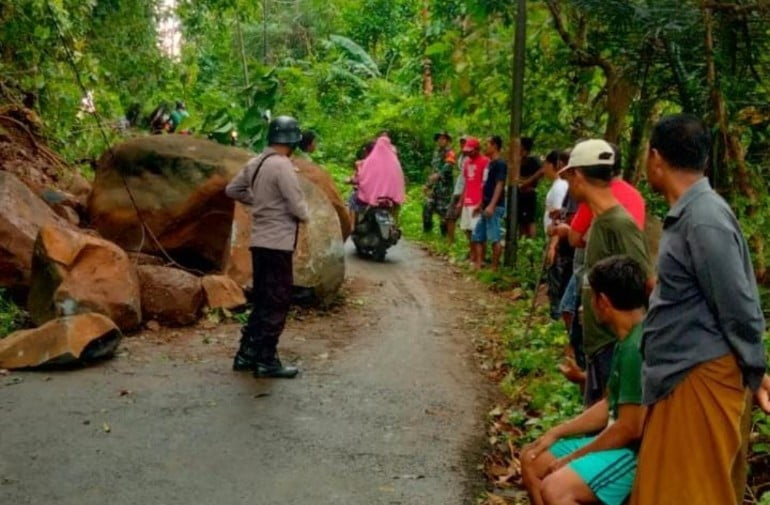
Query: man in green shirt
[612, 232]
[568, 464]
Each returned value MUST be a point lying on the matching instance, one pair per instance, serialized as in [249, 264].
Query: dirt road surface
[388, 410]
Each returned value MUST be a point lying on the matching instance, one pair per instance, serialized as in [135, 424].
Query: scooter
[376, 230]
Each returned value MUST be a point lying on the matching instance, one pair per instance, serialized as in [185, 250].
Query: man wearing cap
[438, 189]
[268, 184]
[702, 343]
[612, 233]
[473, 171]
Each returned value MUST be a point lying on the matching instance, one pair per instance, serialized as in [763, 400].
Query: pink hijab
[380, 175]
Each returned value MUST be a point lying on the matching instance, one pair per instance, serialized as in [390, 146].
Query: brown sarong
[693, 446]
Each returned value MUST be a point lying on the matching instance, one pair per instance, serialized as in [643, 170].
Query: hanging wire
[145, 228]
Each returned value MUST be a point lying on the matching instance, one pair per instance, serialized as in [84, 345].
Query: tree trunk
[620, 96]
[734, 154]
[427, 71]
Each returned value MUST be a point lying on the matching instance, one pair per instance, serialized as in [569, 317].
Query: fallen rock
[319, 260]
[178, 184]
[324, 181]
[81, 338]
[22, 214]
[146, 259]
[79, 187]
[222, 292]
[238, 256]
[169, 295]
[75, 273]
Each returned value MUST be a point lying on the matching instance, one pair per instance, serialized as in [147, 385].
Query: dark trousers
[271, 298]
[559, 275]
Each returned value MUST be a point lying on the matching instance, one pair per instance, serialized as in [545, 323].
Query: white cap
[590, 153]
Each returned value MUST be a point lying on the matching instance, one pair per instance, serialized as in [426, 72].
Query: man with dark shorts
[613, 232]
[530, 175]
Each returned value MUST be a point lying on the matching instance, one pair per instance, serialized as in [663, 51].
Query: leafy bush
[11, 316]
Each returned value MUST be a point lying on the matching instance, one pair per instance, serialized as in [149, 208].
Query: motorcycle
[376, 230]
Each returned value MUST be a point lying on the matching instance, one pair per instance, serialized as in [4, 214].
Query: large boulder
[177, 183]
[81, 338]
[75, 273]
[324, 181]
[319, 260]
[22, 214]
[169, 295]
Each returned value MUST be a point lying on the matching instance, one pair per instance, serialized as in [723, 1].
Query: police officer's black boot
[246, 357]
[427, 219]
[268, 366]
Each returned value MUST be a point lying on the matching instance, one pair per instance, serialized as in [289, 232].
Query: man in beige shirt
[269, 185]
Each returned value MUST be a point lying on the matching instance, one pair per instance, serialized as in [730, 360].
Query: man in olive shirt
[612, 233]
[702, 343]
[268, 184]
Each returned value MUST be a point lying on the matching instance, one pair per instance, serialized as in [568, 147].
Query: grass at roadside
[537, 397]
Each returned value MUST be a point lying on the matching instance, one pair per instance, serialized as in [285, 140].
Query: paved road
[388, 413]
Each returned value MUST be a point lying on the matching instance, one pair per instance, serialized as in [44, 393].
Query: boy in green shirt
[567, 465]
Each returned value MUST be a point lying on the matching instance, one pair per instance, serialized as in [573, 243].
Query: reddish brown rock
[169, 295]
[146, 259]
[81, 338]
[238, 256]
[22, 214]
[222, 292]
[178, 184]
[324, 181]
[75, 273]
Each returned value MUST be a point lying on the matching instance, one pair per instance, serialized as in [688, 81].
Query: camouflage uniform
[439, 192]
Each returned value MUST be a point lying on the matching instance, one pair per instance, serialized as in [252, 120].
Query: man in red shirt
[470, 204]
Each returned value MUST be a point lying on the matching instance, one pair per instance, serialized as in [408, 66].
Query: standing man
[470, 204]
[490, 227]
[531, 173]
[269, 185]
[702, 342]
[440, 185]
[612, 233]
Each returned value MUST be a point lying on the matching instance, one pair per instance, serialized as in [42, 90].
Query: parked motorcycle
[376, 230]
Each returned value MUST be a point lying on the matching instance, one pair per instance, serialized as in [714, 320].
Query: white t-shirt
[554, 199]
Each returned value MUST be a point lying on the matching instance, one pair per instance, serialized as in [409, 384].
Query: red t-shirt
[628, 196]
[473, 172]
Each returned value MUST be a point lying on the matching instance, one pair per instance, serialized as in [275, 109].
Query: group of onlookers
[668, 352]
[477, 196]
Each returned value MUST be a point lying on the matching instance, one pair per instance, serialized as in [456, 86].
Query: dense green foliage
[351, 68]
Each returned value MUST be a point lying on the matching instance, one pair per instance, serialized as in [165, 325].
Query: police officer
[440, 185]
[268, 184]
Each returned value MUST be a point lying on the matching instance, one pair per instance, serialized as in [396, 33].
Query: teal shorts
[609, 474]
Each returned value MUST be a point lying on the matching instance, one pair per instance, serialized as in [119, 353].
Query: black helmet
[284, 130]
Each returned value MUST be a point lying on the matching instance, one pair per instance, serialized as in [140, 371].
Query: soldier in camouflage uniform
[440, 185]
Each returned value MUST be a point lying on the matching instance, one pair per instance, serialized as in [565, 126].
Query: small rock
[153, 325]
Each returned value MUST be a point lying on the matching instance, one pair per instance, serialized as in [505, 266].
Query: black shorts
[527, 208]
[598, 375]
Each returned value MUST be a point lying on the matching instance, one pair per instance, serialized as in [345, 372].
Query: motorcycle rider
[380, 176]
[269, 185]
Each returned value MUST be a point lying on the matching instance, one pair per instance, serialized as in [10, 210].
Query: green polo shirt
[625, 383]
[612, 233]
